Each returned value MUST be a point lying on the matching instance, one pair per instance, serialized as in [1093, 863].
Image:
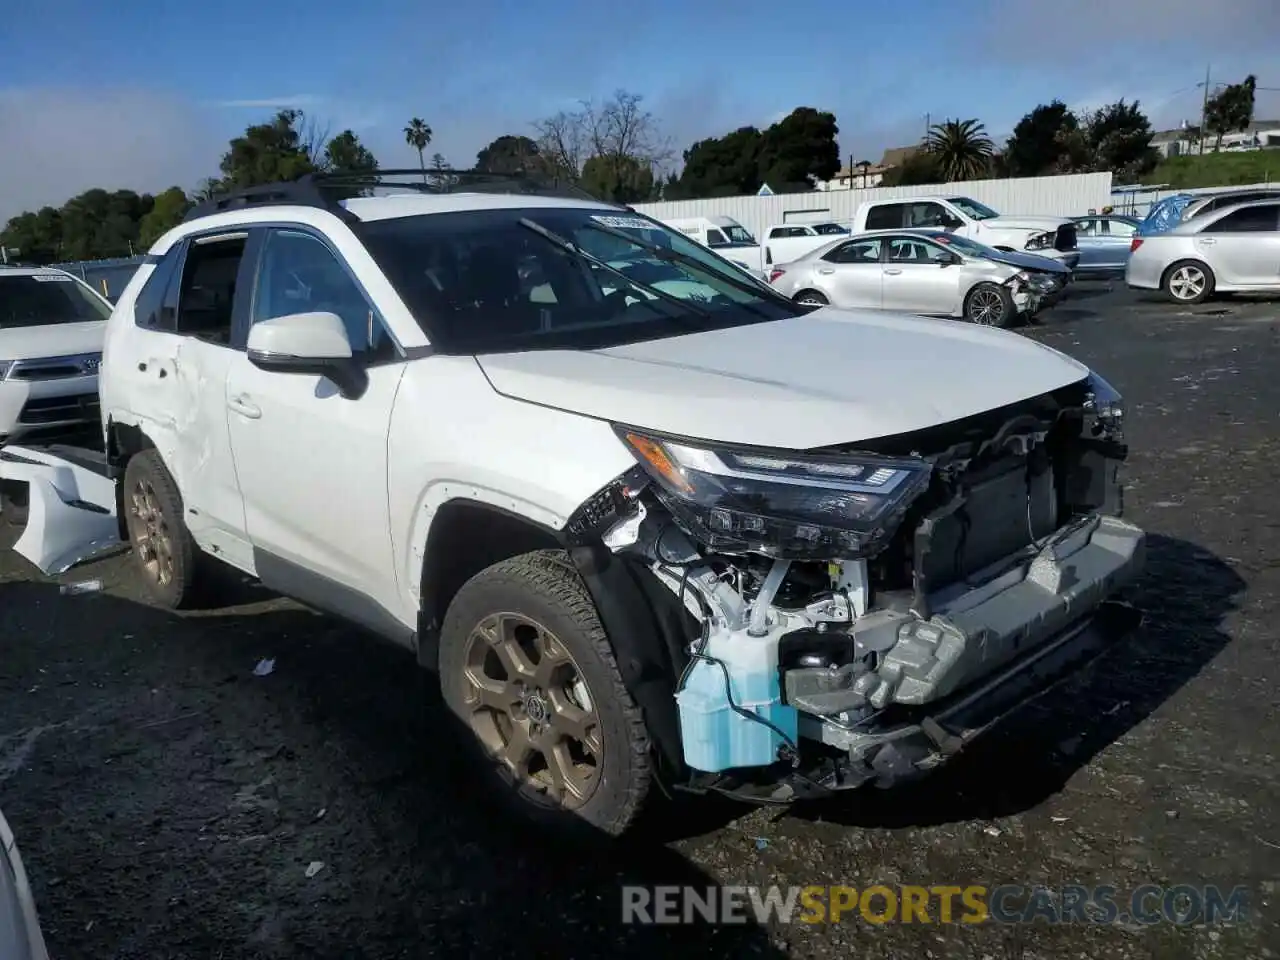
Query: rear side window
[148, 308]
[856, 251]
[886, 216]
[1248, 220]
[33, 301]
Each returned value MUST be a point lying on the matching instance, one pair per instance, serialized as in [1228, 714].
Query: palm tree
[417, 135]
[961, 149]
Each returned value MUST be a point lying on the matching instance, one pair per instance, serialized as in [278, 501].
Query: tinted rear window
[32, 301]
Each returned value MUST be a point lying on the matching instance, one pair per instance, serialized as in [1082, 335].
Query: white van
[726, 237]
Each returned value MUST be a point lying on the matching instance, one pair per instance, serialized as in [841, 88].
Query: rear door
[1243, 247]
[852, 274]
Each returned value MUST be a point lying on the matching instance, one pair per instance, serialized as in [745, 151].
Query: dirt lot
[168, 802]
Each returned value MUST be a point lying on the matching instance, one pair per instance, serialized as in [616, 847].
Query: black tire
[811, 297]
[181, 588]
[990, 305]
[545, 588]
[14, 501]
[1186, 271]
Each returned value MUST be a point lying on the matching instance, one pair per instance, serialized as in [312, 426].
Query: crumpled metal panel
[71, 513]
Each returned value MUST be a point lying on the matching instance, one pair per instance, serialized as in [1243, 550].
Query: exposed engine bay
[848, 598]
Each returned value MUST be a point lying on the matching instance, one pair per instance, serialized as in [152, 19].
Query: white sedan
[1234, 250]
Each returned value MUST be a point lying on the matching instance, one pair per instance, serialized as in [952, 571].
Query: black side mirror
[949, 260]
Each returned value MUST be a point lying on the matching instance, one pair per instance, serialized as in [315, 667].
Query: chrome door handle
[826, 270]
[245, 407]
[1208, 240]
[892, 271]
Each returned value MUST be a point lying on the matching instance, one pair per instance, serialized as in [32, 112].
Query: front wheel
[528, 671]
[166, 555]
[989, 305]
[1188, 281]
[811, 298]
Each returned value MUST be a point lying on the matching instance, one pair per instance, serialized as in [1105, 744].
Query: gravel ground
[169, 803]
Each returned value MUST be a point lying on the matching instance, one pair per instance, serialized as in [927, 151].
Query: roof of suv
[9, 270]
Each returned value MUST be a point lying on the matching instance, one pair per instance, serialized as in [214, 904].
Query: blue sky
[146, 93]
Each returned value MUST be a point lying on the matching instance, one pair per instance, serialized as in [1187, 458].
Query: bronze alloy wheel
[531, 709]
[149, 530]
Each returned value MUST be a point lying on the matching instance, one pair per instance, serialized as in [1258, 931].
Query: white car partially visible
[51, 331]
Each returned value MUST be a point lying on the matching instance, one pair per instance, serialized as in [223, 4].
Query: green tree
[509, 154]
[916, 170]
[961, 149]
[1230, 110]
[1119, 140]
[798, 149]
[346, 154]
[166, 213]
[1044, 142]
[267, 153]
[727, 166]
[36, 236]
[417, 135]
[620, 180]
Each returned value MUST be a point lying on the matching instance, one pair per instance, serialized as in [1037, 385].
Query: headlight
[1105, 402]
[1040, 241]
[786, 505]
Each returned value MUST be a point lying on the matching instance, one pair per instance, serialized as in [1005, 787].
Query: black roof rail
[448, 180]
[324, 191]
[294, 193]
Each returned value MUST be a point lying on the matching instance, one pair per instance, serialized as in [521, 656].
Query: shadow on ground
[168, 801]
[1184, 596]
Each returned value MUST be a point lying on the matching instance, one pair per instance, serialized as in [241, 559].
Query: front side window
[907, 250]
[488, 281]
[738, 234]
[300, 274]
[927, 214]
[40, 299]
[715, 238]
[1087, 228]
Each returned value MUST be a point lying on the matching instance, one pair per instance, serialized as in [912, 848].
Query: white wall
[1056, 196]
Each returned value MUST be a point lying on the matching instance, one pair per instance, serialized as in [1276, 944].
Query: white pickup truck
[1053, 237]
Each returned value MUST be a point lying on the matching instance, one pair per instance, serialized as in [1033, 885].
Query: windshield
[972, 208]
[33, 300]
[830, 229]
[737, 234]
[485, 281]
[963, 244]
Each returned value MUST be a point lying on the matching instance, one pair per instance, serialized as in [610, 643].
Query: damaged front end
[863, 612]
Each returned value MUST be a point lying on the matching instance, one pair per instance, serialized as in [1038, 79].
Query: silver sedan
[924, 272]
[20, 936]
[1233, 250]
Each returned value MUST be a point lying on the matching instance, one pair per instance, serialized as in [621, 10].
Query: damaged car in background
[927, 272]
[647, 520]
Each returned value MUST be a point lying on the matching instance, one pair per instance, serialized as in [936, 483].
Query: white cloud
[296, 101]
[60, 142]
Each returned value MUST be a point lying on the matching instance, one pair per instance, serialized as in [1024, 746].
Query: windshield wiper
[673, 256]
[571, 247]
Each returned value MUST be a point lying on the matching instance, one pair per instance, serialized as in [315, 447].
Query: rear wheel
[167, 557]
[1188, 281]
[527, 669]
[989, 305]
[811, 298]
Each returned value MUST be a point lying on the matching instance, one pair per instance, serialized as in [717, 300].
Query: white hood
[833, 376]
[52, 340]
[1015, 222]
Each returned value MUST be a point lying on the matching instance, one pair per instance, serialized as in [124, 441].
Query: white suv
[644, 517]
[51, 330]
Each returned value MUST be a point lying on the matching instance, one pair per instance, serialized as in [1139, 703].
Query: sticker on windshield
[51, 278]
[625, 223]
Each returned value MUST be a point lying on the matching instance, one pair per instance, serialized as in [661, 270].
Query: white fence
[1052, 196]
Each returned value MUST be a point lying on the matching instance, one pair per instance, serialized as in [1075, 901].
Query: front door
[312, 463]
[916, 280]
